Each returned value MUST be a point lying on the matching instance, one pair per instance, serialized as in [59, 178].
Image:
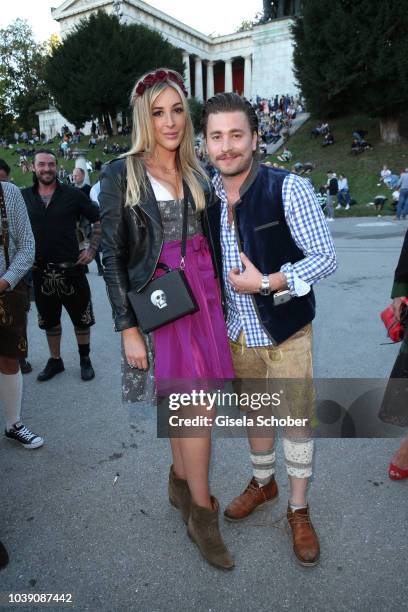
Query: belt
[65, 265]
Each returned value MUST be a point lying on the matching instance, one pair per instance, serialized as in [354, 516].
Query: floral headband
[159, 77]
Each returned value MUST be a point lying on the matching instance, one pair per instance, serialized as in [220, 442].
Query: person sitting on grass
[285, 156]
[316, 131]
[356, 148]
[297, 168]
[379, 202]
[328, 139]
[359, 146]
[387, 177]
[359, 135]
[343, 196]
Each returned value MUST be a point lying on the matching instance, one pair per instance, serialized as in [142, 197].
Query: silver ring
[131, 365]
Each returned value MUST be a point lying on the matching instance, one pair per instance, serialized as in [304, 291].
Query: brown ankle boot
[203, 529]
[179, 494]
[305, 540]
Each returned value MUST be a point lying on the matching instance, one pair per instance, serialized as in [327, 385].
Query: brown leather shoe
[254, 497]
[305, 541]
[179, 494]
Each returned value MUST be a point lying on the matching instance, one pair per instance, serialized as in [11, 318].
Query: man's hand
[86, 256]
[4, 285]
[248, 281]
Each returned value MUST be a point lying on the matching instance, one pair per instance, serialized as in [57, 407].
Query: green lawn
[362, 170]
[23, 180]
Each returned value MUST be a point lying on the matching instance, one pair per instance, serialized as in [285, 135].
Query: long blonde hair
[143, 142]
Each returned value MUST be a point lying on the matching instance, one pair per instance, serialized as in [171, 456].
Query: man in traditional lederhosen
[16, 258]
[58, 273]
[272, 244]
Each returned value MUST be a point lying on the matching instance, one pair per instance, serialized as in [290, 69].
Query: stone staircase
[296, 124]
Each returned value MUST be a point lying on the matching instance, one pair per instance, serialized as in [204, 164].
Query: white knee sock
[11, 393]
[263, 466]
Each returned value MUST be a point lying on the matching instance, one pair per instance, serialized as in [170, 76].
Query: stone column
[199, 79]
[228, 75]
[248, 78]
[210, 79]
[187, 80]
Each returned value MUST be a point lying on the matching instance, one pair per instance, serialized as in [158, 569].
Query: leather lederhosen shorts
[57, 288]
[13, 322]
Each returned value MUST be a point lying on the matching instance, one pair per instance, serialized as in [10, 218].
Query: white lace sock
[11, 393]
[298, 456]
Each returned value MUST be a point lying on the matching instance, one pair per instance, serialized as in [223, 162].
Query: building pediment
[73, 7]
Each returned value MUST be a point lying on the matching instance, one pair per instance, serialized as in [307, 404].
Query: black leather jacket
[132, 240]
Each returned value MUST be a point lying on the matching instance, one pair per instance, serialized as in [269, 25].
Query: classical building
[51, 123]
[254, 62]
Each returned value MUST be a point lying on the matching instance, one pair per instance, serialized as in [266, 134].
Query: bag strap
[184, 231]
[5, 227]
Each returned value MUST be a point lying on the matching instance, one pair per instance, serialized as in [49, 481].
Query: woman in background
[395, 404]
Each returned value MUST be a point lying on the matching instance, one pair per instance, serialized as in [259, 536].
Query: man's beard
[48, 180]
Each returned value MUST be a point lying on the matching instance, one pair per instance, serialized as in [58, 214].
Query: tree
[22, 87]
[196, 112]
[249, 24]
[92, 72]
[351, 56]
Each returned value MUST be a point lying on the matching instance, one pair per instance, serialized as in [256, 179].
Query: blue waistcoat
[264, 236]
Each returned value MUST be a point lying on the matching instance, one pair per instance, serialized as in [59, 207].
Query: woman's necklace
[171, 171]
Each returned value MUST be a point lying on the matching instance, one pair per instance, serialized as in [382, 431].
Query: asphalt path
[88, 513]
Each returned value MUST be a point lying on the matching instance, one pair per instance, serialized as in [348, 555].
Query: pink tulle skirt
[195, 347]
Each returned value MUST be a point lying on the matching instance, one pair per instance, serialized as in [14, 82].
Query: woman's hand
[135, 348]
[397, 305]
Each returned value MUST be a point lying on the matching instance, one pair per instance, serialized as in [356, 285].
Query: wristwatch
[265, 288]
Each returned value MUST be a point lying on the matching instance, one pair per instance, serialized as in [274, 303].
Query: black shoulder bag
[168, 297]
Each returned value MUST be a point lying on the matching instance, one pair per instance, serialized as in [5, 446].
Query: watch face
[265, 288]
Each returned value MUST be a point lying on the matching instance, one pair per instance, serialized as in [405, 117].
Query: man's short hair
[80, 169]
[4, 166]
[46, 151]
[229, 103]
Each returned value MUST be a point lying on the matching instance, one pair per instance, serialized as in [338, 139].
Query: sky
[208, 16]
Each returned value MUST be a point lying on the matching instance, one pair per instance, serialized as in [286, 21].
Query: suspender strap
[5, 228]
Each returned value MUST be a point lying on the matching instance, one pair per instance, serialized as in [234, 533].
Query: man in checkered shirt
[272, 244]
[13, 301]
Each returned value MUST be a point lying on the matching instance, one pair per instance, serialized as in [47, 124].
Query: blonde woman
[141, 211]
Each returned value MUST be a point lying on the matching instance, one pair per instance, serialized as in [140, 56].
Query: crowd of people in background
[275, 116]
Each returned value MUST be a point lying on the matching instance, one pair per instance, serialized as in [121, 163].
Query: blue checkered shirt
[310, 232]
